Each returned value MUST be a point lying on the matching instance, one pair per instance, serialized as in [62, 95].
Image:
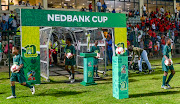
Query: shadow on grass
[153, 94]
[142, 74]
[57, 93]
[104, 83]
[175, 87]
[62, 81]
[2, 92]
[132, 80]
[156, 78]
[4, 78]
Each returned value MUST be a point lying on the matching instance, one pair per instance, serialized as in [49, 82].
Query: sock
[164, 80]
[27, 85]
[72, 75]
[13, 90]
[69, 72]
[96, 69]
[170, 77]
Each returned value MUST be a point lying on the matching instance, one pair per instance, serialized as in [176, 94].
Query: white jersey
[98, 3]
[162, 10]
[144, 8]
[153, 26]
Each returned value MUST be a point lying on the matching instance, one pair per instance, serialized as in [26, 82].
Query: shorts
[150, 50]
[18, 77]
[166, 68]
[70, 62]
[95, 61]
[4, 34]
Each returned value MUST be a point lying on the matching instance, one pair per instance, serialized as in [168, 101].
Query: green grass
[143, 89]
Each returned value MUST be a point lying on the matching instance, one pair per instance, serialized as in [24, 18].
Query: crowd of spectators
[153, 30]
[100, 8]
[27, 4]
[9, 22]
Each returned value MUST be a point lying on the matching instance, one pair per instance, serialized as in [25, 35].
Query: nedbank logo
[30, 51]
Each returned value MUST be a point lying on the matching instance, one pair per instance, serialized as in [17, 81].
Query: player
[71, 60]
[19, 77]
[142, 54]
[95, 49]
[167, 56]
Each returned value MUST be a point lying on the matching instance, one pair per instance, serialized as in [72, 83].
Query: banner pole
[9, 54]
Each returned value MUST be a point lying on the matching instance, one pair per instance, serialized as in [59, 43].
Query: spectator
[10, 47]
[10, 22]
[5, 17]
[39, 7]
[168, 15]
[27, 3]
[128, 43]
[99, 6]
[142, 18]
[163, 43]
[150, 32]
[104, 6]
[137, 13]
[153, 26]
[141, 44]
[4, 27]
[55, 48]
[139, 38]
[85, 9]
[14, 24]
[130, 14]
[135, 29]
[11, 14]
[176, 25]
[109, 49]
[144, 10]
[129, 26]
[138, 27]
[105, 34]
[90, 7]
[150, 48]
[175, 36]
[113, 11]
[20, 2]
[158, 44]
[175, 11]
[156, 49]
[1, 51]
[157, 10]
[147, 21]
[162, 10]
[11, 3]
[82, 9]
[143, 25]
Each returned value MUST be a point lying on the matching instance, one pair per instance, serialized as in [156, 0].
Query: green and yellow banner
[31, 54]
[36, 17]
[120, 37]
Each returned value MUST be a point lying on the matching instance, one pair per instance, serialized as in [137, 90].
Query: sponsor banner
[120, 37]
[120, 77]
[30, 51]
[36, 17]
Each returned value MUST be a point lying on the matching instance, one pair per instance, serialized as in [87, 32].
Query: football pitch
[143, 89]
